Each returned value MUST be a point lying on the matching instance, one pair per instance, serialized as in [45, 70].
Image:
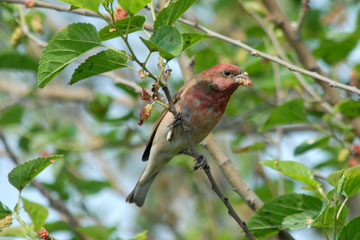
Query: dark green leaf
[166, 40]
[11, 115]
[288, 113]
[4, 211]
[136, 24]
[191, 39]
[350, 108]
[172, 12]
[14, 60]
[104, 61]
[96, 232]
[22, 174]
[92, 4]
[37, 213]
[310, 144]
[64, 48]
[133, 6]
[99, 106]
[91, 186]
[294, 170]
[351, 230]
[269, 218]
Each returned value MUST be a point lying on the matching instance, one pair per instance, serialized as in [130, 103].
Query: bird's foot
[200, 162]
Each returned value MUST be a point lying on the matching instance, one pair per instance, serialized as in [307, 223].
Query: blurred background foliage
[94, 123]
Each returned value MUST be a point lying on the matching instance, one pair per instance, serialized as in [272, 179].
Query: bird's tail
[138, 195]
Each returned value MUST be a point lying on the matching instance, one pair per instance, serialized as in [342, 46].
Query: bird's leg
[200, 161]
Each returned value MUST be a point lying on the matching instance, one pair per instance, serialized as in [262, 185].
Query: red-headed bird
[201, 101]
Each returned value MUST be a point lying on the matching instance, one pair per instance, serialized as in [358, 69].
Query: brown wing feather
[176, 98]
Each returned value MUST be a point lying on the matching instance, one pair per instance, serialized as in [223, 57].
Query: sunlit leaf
[37, 213]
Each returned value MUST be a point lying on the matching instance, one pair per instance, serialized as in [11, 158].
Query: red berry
[29, 3]
[356, 149]
[44, 234]
[119, 13]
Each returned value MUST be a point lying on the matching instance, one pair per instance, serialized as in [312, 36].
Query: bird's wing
[176, 98]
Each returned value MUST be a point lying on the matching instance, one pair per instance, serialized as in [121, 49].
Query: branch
[304, 8]
[275, 59]
[57, 204]
[231, 173]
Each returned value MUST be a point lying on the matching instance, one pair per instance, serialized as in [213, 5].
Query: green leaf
[351, 230]
[346, 179]
[268, 220]
[288, 113]
[104, 61]
[299, 220]
[96, 232]
[136, 24]
[57, 226]
[140, 236]
[11, 115]
[133, 6]
[99, 106]
[310, 144]
[172, 12]
[93, 5]
[91, 186]
[294, 170]
[22, 174]
[64, 48]
[191, 39]
[15, 60]
[37, 213]
[4, 211]
[166, 40]
[350, 108]
[14, 231]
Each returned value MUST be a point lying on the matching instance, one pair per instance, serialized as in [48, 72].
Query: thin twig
[303, 10]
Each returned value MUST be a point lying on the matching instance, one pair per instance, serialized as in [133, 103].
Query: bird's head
[225, 77]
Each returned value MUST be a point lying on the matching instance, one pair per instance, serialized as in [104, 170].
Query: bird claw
[200, 162]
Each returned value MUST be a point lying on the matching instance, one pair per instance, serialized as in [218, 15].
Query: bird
[201, 101]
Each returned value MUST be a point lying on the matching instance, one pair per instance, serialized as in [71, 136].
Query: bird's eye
[227, 73]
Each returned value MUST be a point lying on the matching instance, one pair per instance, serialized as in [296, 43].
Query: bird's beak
[243, 79]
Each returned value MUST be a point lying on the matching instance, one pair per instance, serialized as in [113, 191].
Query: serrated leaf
[15, 60]
[4, 211]
[64, 48]
[288, 113]
[22, 174]
[37, 213]
[190, 39]
[310, 144]
[136, 24]
[294, 170]
[351, 230]
[167, 41]
[346, 179]
[104, 61]
[133, 6]
[96, 232]
[11, 115]
[172, 12]
[269, 218]
[92, 4]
